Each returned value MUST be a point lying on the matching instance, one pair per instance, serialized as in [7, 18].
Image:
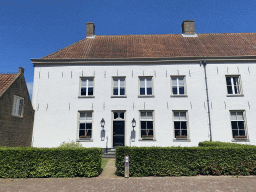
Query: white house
[147, 90]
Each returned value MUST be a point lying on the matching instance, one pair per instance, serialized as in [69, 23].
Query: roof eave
[144, 60]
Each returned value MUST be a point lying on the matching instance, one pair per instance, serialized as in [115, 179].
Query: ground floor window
[147, 124]
[85, 125]
[180, 124]
[238, 124]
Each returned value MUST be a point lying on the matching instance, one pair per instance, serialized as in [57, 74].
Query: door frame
[112, 124]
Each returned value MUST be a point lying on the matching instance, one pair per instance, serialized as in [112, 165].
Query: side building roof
[6, 80]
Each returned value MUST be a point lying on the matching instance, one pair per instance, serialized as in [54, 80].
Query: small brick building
[16, 111]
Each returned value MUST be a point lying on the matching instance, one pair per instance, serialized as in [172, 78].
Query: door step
[109, 153]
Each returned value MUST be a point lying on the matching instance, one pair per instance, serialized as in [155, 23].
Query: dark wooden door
[118, 133]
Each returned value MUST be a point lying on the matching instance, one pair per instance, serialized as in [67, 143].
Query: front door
[118, 129]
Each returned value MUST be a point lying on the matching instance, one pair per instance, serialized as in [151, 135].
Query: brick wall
[16, 131]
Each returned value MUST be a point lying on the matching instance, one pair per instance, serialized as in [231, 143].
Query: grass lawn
[103, 162]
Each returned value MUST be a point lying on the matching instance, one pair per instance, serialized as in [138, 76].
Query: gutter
[204, 62]
[135, 61]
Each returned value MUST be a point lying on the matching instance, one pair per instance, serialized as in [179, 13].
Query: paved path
[109, 170]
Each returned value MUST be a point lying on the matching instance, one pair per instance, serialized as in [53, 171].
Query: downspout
[207, 98]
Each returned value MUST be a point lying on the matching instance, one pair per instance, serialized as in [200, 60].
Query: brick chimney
[188, 27]
[90, 29]
[21, 70]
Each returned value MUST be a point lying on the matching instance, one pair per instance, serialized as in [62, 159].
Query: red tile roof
[154, 46]
[6, 80]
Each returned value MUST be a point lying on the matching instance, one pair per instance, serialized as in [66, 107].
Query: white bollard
[126, 165]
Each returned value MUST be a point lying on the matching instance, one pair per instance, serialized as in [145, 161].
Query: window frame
[185, 86]
[80, 87]
[239, 137]
[119, 87]
[17, 111]
[233, 86]
[153, 129]
[84, 139]
[146, 95]
[181, 138]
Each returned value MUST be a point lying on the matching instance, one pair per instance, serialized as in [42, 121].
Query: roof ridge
[168, 34]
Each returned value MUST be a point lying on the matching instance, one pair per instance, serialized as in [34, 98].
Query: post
[126, 165]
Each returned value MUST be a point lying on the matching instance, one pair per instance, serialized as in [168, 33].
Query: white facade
[58, 103]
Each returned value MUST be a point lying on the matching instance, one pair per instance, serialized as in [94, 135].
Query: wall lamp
[133, 123]
[102, 122]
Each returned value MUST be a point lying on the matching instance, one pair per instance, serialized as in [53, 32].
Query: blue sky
[35, 28]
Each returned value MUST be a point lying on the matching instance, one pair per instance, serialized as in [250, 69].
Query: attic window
[18, 105]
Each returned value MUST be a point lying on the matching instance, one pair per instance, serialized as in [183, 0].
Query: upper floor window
[178, 85]
[118, 86]
[238, 124]
[87, 85]
[147, 124]
[146, 86]
[233, 85]
[180, 124]
[85, 125]
[18, 104]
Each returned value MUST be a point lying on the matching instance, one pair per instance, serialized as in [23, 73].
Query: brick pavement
[107, 181]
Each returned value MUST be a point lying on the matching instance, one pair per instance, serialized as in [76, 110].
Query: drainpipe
[207, 97]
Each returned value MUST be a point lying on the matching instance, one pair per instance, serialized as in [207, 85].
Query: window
[118, 86]
[118, 115]
[85, 125]
[147, 124]
[18, 104]
[238, 124]
[233, 85]
[178, 85]
[180, 124]
[146, 86]
[87, 86]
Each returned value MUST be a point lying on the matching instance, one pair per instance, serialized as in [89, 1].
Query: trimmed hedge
[187, 161]
[217, 144]
[25, 162]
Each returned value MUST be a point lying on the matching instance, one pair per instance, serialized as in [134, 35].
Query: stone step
[109, 153]
[111, 150]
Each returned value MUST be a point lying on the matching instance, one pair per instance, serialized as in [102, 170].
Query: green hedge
[24, 162]
[187, 161]
[217, 144]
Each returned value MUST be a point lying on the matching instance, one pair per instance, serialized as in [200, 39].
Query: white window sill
[182, 140]
[147, 139]
[235, 95]
[179, 95]
[145, 96]
[118, 96]
[240, 140]
[90, 96]
[84, 140]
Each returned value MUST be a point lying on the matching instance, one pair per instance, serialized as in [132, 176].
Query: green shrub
[24, 162]
[71, 144]
[187, 161]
